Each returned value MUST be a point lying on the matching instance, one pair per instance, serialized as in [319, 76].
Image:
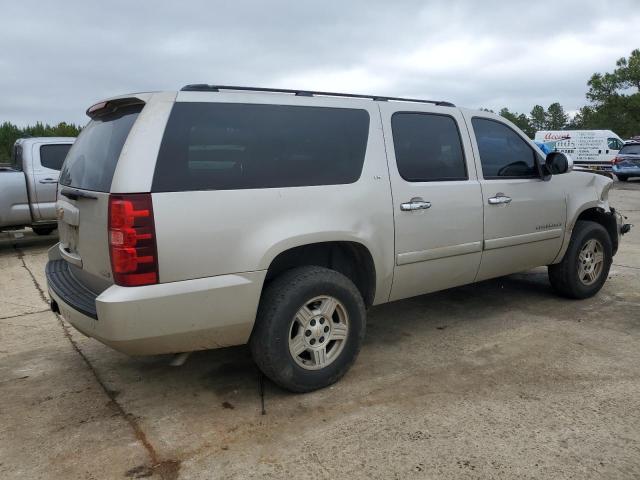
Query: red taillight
[616, 160]
[132, 240]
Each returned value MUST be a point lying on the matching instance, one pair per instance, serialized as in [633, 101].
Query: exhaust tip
[54, 307]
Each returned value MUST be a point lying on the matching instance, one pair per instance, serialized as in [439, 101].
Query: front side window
[503, 153]
[614, 143]
[229, 146]
[427, 147]
[52, 156]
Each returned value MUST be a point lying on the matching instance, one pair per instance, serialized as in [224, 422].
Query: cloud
[65, 56]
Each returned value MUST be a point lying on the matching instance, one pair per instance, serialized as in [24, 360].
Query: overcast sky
[58, 58]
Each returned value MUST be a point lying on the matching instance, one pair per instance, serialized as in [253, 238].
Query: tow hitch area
[625, 228]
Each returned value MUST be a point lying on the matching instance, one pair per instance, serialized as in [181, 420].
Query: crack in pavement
[625, 266]
[167, 469]
[15, 303]
[24, 314]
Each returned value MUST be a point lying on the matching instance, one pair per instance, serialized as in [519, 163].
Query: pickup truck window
[92, 160]
[428, 147]
[52, 156]
[503, 153]
[229, 146]
[16, 158]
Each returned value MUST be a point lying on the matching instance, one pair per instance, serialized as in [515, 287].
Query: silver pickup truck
[28, 184]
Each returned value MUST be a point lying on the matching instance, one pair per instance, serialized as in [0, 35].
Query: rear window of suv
[228, 146]
[92, 160]
[633, 149]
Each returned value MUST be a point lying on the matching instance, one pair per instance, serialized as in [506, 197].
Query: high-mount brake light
[132, 240]
[96, 107]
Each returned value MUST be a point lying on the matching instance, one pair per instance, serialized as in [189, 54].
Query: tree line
[614, 105]
[9, 133]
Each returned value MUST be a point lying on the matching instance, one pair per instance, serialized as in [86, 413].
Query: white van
[594, 149]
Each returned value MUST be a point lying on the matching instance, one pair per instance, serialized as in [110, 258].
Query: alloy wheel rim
[318, 332]
[590, 262]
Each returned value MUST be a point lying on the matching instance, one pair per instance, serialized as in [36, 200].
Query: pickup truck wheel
[585, 266]
[309, 328]
[43, 230]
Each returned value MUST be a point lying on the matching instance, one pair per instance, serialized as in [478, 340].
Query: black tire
[622, 178]
[43, 230]
[564, 276]
[280, 302]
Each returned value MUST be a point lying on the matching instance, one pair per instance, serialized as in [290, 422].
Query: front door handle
[416, 203]
[499, 199]
[48, 180]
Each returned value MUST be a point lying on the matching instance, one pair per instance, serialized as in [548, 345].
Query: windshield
[92, 160]
[630, 150]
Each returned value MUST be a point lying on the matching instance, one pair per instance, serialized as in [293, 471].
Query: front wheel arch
[606, 219]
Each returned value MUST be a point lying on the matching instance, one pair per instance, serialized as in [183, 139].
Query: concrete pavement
[496, 380]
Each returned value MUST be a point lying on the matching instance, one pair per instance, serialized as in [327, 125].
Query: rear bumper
[165, 318]
[627, 171]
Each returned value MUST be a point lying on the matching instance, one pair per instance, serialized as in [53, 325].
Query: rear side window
[227, 146]
[92, 160]
[427, 147]
[16, 157]
[52, 156]
[503, 153]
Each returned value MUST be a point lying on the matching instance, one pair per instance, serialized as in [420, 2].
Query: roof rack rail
[203, 87]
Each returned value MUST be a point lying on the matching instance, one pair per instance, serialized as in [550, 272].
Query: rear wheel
[309, 328]
[43, 230]
[585, 266]
[622, 178]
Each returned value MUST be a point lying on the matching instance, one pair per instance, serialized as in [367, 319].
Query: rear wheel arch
[352, 259]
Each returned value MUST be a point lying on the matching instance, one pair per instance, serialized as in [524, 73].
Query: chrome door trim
[521, 239]
[441, 252]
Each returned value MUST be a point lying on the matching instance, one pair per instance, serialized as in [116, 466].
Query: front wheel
[309, 328]
[585, 266]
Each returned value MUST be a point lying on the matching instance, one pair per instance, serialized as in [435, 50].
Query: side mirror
[556, 164]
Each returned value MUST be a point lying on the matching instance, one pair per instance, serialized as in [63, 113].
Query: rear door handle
[499, 199]
[416, 203]
[48, 180]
